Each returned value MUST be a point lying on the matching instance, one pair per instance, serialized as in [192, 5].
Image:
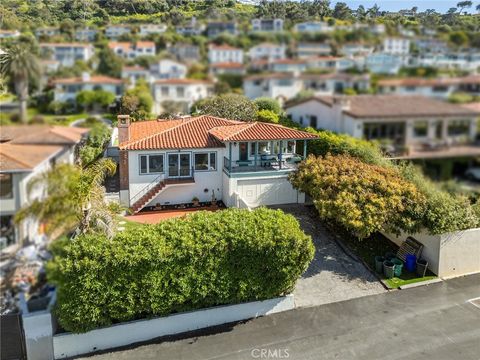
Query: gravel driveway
[333, 275]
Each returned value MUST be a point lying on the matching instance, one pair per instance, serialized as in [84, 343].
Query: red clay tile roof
[96, 79]
[281, 75]
[392, 106]
[223, 47]
[227, 65]
[189, 133]
[203, 132]
[15, 157]
[257, 131]
[42, 135]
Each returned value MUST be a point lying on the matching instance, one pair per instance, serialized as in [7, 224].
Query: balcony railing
[263, 164]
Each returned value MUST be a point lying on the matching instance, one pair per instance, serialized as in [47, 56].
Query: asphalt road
[429, 322]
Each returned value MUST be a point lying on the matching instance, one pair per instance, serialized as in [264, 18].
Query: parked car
[473, 174]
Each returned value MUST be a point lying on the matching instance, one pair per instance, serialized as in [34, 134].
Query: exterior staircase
[155, 190]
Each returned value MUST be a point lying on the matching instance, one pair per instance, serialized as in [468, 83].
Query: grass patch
[407, 278]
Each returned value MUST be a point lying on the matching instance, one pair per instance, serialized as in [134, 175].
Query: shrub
[229, 106]
[37, 119]
[361, 197]
[267, 116]
[204, 260]
[96, 141]
[264, 103]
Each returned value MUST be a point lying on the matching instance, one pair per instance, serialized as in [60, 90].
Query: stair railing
[145, 190]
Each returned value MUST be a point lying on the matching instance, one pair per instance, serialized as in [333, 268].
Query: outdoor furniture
[294, 159]
[267, 160]
[410, 246]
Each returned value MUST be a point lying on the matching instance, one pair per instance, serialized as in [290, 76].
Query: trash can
[398, 266]
[389, 256]
[422, 266]
[388, 269]
[379, 264]
[410, 261]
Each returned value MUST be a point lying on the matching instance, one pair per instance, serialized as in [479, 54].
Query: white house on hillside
[162, 69]
[129, 50]
[183, 92]
[67, 53]
[267, 51]
[242, 164]
[86, 34]
[267, 25]
[113, 32]
[421, 126]
[66, 90]
[25, 153]
[396, 45]
[9, 34]
[440, 88]
[224, 53]
[313, 27]
[151, 29]
[312, 49]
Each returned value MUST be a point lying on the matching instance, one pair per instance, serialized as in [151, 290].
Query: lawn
[50, 119]
[377, 245]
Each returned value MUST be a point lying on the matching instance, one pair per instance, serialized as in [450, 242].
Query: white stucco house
[224, 53]
[226, 68]
[312, 49]
[426, 126]
[383, 63]
[242, 164]
[151, 29]
[313, 27]
[47, 31]
[66, 89]
[184, 92]
[129, 50]
[86, 34]
[267, 51]
[440, 88]
[132, 74]
[267, 25]
[115, 31]
[67, 53]
[162, 69]
[26, 152]
[9, 34]
[356, 49]
[396, 45]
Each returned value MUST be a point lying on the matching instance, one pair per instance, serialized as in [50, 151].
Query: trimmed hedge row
[207, 259]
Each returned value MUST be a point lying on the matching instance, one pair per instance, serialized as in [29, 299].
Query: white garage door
[267, 192]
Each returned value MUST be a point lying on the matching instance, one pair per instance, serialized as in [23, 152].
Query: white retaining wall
[68, 345]
[450, 254]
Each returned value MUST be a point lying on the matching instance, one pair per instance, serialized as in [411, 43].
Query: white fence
[68, 345]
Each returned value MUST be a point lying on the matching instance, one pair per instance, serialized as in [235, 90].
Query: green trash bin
[379, 264]
[388, 269]
[398, 266]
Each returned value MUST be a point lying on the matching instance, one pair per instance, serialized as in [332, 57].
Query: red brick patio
[154, 217]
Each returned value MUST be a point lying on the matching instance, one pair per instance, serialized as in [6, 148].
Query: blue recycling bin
[410, 262]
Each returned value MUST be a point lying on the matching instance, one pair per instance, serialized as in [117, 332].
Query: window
[313, 121]
[206, 161]
[180, 92]
[458, 127]
[6, 186]
[164, 90]
[420, 129]
[151, 164]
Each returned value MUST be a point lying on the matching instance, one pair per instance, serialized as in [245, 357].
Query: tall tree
[20, 63]
[464, 5]
[342, 11]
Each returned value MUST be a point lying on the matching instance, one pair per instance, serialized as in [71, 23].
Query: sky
[394, 5]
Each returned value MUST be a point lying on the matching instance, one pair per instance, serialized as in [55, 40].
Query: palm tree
[71, 198]
[20, 63]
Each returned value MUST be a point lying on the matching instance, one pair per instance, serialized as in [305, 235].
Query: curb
[420, 283]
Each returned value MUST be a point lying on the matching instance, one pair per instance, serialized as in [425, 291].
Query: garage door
[267, 192]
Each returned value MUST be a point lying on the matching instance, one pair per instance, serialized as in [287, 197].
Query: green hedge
[208, 259]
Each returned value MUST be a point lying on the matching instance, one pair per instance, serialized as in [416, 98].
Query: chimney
[85, 76]
[123, 128]
[341, 103]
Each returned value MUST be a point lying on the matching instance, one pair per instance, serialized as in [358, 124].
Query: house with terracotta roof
[440, 88]
[67, 53]
[128, 50]
[224, 53]
[9, 34]
[416, 126]
[242, 164]
[267, 25]
[182, 92]
[26, 152]
[66, 89]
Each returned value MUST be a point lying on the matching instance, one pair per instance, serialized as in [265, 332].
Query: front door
[243, 151]
[179, 165]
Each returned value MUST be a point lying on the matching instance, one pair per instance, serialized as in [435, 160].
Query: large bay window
[151, 164]
[6, 186]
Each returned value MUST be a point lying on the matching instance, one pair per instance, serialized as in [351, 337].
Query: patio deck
[154, 217]
[252, 168]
